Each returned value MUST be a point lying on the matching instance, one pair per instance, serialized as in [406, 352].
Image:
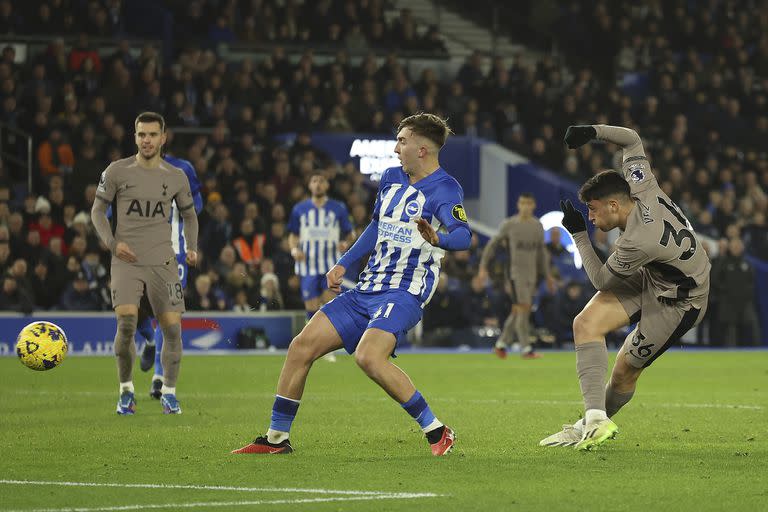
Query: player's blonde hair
[432, 127]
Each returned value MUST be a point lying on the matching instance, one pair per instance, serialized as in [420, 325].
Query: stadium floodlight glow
[554, 219]
[376, 155]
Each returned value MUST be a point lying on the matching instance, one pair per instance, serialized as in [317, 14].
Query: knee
[367, 362]
[126, 327]
[584, 327]
[301, 349]
[171, 333]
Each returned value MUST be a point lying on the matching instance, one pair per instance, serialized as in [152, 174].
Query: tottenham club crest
[103, 182]
[413, 209]
[636, 172]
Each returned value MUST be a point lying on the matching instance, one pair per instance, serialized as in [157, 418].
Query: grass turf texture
[681, 445]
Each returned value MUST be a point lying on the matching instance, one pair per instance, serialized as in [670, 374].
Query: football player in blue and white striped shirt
[417, 217]
[319, 232]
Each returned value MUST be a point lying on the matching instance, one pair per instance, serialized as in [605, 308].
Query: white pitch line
[326, 396]
[216, 504]
[220, 488]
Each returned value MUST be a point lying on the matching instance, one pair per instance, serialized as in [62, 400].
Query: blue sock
[418, 408]
[159, 343]
[283, 413]
[310, 314]
[145, 329]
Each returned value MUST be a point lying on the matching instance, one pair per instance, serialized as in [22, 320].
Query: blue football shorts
[313, 286]
[352, 312]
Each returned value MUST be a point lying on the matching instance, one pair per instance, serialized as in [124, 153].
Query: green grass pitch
[695, 438]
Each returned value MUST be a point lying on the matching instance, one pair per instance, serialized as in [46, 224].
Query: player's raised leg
[317, 338]
[372, 356]
[125, 353]
[170, 355]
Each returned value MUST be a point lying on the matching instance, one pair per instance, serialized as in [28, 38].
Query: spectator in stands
[5, 256]
[82, 51]
[45, 288]
[733, 281]
[218, 231]
[55, 155]
[249, 245]
[15, 298]
[292, 293]
[79, 297]
[270, 298]
[756, 236]
[569, 301]
[46, 227]
[444, 315]
[478, 306]
[204, 298]
[226, 262]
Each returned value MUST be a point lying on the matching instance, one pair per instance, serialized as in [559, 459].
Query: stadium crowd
[703, 115]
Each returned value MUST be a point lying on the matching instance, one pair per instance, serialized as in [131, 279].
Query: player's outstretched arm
[602, 276]
[578, 135]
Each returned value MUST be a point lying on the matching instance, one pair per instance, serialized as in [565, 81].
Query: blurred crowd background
[691, 77]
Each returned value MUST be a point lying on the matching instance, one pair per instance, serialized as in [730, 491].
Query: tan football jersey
[527, 254]
[142, 206]
[659, 239]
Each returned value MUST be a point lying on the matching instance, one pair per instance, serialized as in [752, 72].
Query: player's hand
[334, 278]
[297, 254]
[123, 252]
[573, 220]
[428, 233]
[192, 258]
[577, 136]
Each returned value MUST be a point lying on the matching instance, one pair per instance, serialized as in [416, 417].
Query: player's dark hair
[150, 117]
[429, 126]
[527, 195]
[603, 185]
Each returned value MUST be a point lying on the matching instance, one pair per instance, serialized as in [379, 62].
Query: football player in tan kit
[143, 261]
[528, 264]
[658, 275]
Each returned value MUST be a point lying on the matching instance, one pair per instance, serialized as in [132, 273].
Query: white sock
[595, 415]
[158, 377]
[168, 391]
[432, 426]
[500, 344]
[579, 425]
[276, 436]
[126, 386]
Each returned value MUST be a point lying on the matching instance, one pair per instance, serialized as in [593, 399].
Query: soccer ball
[41, 345]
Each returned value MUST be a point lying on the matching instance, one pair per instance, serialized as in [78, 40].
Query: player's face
[149, 139]
[318, 186]
[408, 150]
[603, 213]
[526, 206]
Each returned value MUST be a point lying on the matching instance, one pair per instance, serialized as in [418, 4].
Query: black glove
[577, 136]
[573, 220]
